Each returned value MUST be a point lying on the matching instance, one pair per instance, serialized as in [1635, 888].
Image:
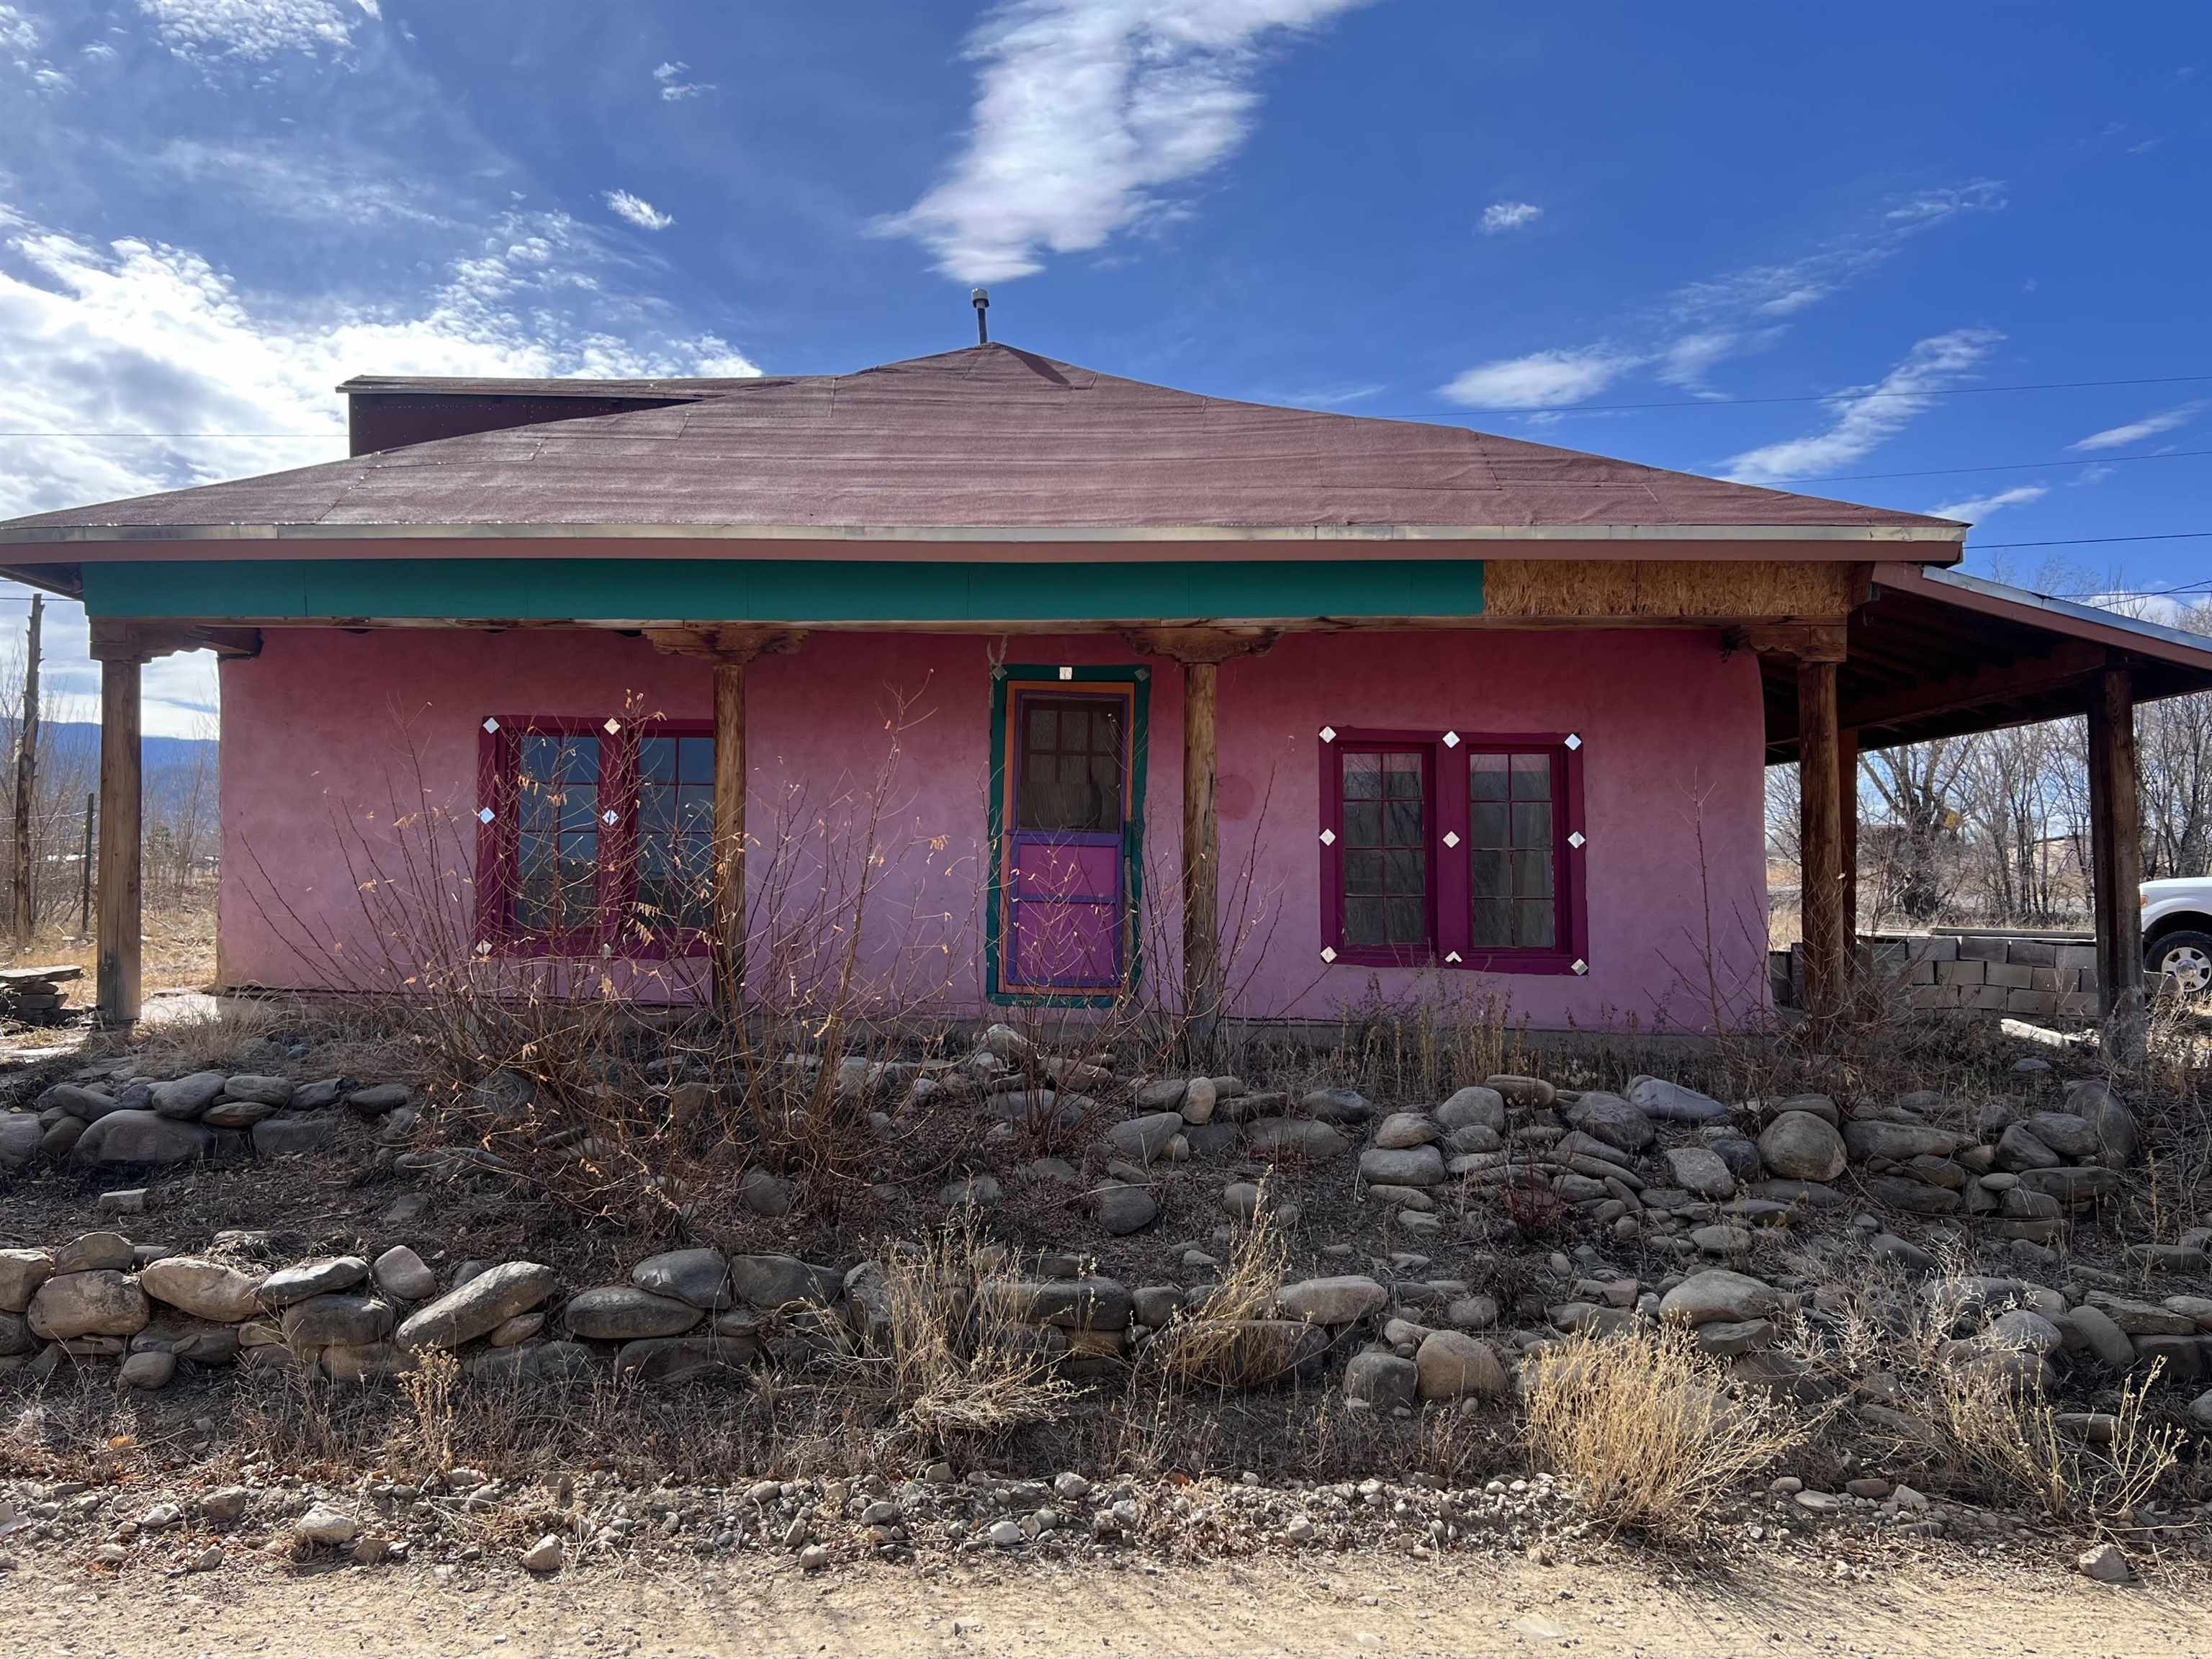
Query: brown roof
[990, 441]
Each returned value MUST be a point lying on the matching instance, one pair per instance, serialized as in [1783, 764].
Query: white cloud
[138, 337]
[639, 211]
[1864, 417]
[1537, 379]
[2119, 437]
[20, 41]
[1976, 509]
[1508, 215]
[256, 30]
[1086, 112]
[674, 89]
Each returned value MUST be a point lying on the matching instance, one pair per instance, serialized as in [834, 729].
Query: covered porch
[1930, 654]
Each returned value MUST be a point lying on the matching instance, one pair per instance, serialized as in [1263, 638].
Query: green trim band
[778, 590]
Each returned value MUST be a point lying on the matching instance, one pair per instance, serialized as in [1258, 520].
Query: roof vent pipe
[980, 299]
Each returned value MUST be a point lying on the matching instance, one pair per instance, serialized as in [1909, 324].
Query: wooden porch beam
[1201, 651]
[2115, 852]
[730, 648]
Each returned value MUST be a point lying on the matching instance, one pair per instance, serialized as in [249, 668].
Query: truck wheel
[2185, 958]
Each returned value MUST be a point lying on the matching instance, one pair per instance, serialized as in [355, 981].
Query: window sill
[1531, 963]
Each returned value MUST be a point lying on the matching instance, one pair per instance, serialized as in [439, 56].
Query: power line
[2093, 541]
[2002, 466]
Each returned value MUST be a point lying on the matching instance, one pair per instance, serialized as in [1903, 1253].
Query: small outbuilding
[984, 679]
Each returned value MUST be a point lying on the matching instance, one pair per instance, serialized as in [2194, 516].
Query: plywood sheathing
[1550, 590]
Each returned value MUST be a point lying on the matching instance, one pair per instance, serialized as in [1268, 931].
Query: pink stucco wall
[323, 732]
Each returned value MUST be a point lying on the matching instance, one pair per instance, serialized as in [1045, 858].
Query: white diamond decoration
[1573, 741]
[613, 725]
[485, 814]
[1451, 956]
[1574, 840]
[1329, 734]
[483, 947]
[1452, 837]
[1581, 966]
[607, 817]
[1067, 673]
[1328, 953]
[1328, 837]
[490, 724]
[1451, 740]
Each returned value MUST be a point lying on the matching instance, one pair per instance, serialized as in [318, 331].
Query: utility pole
[27, 765]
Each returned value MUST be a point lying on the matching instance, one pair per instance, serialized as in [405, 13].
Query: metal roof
[1937, 653]
[984, 444]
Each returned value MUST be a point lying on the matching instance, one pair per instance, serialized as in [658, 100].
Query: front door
[1069, 848]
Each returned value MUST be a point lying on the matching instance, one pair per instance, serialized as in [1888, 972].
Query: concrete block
[2043, 1003]
[1920, 973]
[2032, 952]
[2078, 1004]
[1960, 973]
[1976, 947]
[1988, 997]
[2082, 959]
[1936, 947]
[1934, 996]
[2012, 975]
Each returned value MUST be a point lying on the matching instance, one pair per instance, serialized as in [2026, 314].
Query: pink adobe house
[1037, 685]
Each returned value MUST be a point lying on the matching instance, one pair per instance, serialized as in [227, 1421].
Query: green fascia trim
[778, 589]
[1132, 831]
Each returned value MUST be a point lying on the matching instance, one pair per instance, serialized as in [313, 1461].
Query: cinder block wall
[1979, 973]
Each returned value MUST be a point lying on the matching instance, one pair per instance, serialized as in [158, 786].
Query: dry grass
[176, 950]
[1211, 1345]
[1644, 1426]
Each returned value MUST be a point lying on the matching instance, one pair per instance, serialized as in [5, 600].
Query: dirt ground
[1362, 1605]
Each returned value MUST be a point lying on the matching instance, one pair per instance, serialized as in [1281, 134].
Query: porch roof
[985, 445]
[1937, 653]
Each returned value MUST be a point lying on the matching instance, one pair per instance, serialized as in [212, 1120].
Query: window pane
[1535, 931]
[1532, 824]
[539, 756]
[1485, 826]
[1532, 777]
[1402, 822]
[1364, 922]
[656, 808]
[580, 808]
[694, 808]
[1106, 782]
[1532, 875]
[1401, 777]
[1044, 726]
[695, 760]
[1363, 872]
[1408, 920]
[1486, 874]
[1405, 871]
[1075, 729]
[1493, 924]
[1486, 777]
[580, 760]
[1362, 777]
[656, 760]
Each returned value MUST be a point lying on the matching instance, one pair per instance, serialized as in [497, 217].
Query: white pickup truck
[2177, 928]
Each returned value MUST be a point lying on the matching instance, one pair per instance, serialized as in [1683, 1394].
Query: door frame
[1008, 680]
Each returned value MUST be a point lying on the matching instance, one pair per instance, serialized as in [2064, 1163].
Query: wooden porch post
[1847, 771]
[730, 648]
[1820, 837]
[2116, 851]
[116, 975]
[1201, 651]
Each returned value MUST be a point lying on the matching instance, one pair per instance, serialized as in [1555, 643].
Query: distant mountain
[68, 748]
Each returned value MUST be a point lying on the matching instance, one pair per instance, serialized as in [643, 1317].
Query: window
[595, 835]
[1460, 850]
[1068, 775]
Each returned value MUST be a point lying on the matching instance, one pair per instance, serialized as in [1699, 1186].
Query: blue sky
[1822, 240]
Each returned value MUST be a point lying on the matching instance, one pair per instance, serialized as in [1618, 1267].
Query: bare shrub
[952, 1364]
[429, 1388]
[1210, 1343]
[1645, 1427]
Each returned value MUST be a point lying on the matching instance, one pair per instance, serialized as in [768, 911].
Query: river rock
[624, 1313]
[479, 1307]
[294, 1132]
[1718, 1294]
[2094, 1098]
[1197, 1101]
[1402, 1130]
[1527, 1092]
[1799, 1145]
[323, 1524]
[1867, 1138]
[143, 1137]
[1412, 1166]
[186, 1096]
[103, 1302]
[1698, 1170]
[781, 1281]
[399, 1272]
[669, 1359]
[79, 1102]
[1246, 1353]
[1656, 1098]
[541, 1361]
[1123, 1207]
[94, 1252]
[1380, 1379]
[317, 1278]
[1450, 1364]
[262, 1091]
[2074, 1187]
[700, 1276]
[1277, 1139]
[22, 1273]
[1146, 1139]
[378, 1098]
[204, 1288]
[1607, 1117]
[21, 1138]
[1474, 1106]
[1343, 1300]
[2019, 1148]
[351, 1320]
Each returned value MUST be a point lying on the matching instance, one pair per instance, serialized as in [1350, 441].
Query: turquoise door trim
[777, 590]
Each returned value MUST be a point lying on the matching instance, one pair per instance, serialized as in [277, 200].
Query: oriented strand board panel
[1665, 589]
